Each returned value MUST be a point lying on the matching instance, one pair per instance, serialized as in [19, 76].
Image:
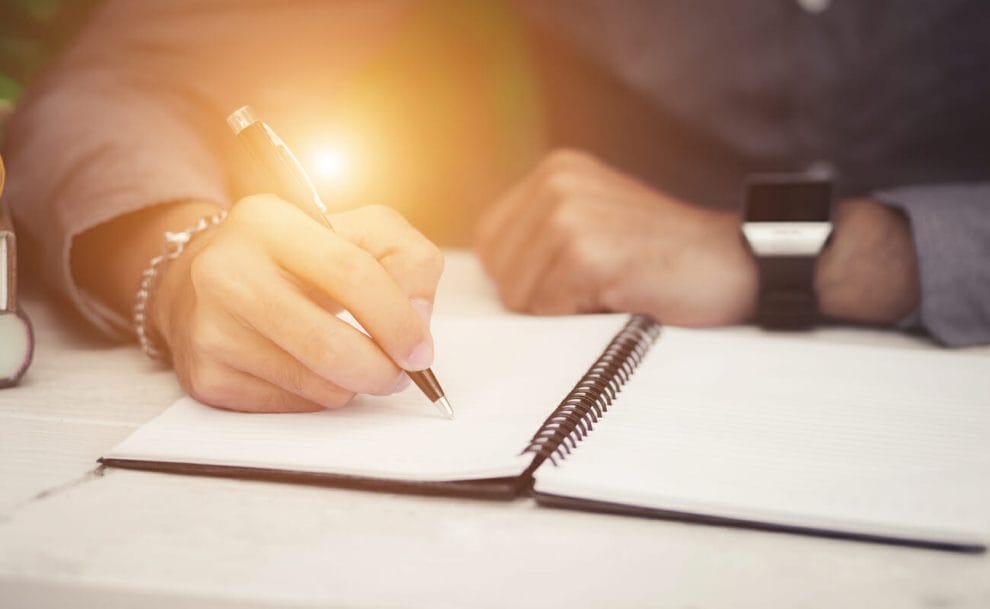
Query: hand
[247, 311]
[576, 236]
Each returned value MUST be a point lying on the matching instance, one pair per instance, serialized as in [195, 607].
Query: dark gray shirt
[890, 96]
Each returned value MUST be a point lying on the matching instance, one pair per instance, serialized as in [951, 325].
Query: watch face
[799, 200]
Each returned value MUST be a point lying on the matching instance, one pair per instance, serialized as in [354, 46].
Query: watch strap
[787, 293]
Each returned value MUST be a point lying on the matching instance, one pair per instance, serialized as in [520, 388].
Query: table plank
[85, 379]
[41, 455]
[312, 546]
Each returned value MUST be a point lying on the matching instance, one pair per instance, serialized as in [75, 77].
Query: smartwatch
[786, 222]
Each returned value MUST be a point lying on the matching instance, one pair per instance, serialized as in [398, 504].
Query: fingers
[560, 172]
[569, 283]
[230, 343]
[349, 274]
[230, 389]
[272, 306]
[411, 259]
[519, 238]
[527, 266]
[519, 233]
[498, 221]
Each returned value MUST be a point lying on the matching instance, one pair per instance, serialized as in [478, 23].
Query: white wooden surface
[72, 535]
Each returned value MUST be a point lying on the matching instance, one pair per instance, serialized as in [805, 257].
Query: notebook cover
[490, 488]
[588, 505]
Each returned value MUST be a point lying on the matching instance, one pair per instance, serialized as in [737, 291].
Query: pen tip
[443, 404]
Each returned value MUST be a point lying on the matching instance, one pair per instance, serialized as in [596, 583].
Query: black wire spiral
[576, 415]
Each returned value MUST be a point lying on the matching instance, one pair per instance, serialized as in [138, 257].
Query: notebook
[616, 414]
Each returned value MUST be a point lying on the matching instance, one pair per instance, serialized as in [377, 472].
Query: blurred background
[31, 34]
[365, 145]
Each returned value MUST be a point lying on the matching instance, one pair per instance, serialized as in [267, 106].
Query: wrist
[868, 273]
[724, 270]
[744, 278]
[108, 260]
[161, 289]
[171, 288]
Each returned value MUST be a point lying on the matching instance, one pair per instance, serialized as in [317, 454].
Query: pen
[295, 186]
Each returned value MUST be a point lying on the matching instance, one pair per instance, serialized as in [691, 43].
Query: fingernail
[424, 307]
[421, 357]
[402, 383]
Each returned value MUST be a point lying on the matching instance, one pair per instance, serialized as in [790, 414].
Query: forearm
[869, 271]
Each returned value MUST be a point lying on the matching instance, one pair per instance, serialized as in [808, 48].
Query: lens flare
[331, 166]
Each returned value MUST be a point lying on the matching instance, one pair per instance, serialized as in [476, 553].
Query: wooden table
[74, 535]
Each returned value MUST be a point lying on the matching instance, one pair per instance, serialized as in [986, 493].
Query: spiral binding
[576, 415]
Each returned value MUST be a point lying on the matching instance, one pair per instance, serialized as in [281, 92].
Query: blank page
[784, 430]
[503, 374]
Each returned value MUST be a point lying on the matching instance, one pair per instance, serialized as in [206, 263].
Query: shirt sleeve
[951, 229]
[97, 137]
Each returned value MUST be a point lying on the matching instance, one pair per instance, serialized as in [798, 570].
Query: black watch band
[787, 293]
[786, 222]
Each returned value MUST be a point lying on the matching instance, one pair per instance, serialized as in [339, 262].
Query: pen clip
[275, 156]
[296, 169]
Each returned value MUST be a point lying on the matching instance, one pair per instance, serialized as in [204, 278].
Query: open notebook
[610, 413]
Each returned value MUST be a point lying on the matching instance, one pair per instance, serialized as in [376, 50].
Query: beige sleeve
[94, 139]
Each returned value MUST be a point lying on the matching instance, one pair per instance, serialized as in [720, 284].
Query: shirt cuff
[950, 226]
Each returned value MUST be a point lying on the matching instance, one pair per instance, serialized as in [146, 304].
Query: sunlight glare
[331, 165]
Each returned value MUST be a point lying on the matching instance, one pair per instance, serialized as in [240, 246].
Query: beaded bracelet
[173, 246]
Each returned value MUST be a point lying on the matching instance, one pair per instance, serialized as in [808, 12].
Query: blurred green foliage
[31, 33]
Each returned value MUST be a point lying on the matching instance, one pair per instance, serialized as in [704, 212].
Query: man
[663, 109]
[886, 97]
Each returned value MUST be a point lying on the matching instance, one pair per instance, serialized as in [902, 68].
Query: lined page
[503, 374]
[787, 431]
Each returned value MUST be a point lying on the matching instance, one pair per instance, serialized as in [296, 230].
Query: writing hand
[247, 311]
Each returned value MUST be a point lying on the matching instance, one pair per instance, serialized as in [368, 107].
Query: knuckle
[488, 256]
[262, 214]
[579, 254]
[512, 297]
[613, 298]
[357, 272]
[251, 206]
[207, 270]
[316, 347]
[558, 185]
[563, 221]
[207, 339]
[385, 213]
[565, 159]
[207, 384]
[428, 261]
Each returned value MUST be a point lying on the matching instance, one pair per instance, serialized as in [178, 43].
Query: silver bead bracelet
[173, 246]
